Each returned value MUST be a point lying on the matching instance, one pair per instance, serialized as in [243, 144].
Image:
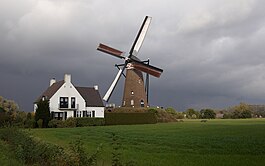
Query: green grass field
[216, 142]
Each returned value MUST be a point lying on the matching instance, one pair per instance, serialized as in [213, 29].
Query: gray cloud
[211, 51]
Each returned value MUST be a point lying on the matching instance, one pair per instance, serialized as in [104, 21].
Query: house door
[93, 114]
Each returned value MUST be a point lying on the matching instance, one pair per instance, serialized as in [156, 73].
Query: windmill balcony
[68, 107]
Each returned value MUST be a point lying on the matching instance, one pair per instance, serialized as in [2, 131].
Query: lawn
[215, 142]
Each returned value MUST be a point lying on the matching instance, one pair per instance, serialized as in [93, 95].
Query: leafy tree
[171, 110]
[8, 105]
[43, 113]
[192, 114]
[207, 114]
[246, 114]
[8, 110]
[241, 111]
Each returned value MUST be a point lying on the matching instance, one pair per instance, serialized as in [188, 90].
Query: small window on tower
[132, 93]
[142, 103]
[132, 102]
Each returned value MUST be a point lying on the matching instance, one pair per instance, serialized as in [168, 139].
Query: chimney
[96, 87]
[52, 81]
[67, 78]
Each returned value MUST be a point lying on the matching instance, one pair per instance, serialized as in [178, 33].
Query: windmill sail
[113, 85]
[140, 36]
[154, 71]
[110, 50]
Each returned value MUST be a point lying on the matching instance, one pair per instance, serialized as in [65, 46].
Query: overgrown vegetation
[36, 152]
[11, 116]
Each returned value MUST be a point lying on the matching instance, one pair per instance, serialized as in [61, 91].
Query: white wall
[99, 111]
[67, 90]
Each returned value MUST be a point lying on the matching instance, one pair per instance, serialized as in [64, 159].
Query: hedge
[129, 118]
[76, 122]
[82, 122]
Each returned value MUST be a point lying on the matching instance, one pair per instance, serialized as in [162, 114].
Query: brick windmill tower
[135, 89]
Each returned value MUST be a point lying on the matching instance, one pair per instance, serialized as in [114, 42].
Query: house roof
[51, 90]
[91, 96]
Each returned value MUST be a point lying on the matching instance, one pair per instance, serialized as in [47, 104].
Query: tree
[171, 110]
[207, 114]
[241, 111]
[192, 114]
[8, 105]
[8, 111]
[43, 112]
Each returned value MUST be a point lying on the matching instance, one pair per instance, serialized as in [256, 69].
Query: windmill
[135, 93]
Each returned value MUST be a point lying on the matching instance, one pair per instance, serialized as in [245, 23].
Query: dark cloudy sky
[212, 51]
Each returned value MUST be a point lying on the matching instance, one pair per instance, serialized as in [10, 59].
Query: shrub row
[82, 122]
[31, 151]
[76, 122]
[129, 118]
[34, 152]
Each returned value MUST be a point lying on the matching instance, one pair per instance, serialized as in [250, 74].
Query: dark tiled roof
[91, 96]
[51, 90]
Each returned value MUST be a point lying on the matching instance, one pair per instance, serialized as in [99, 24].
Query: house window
[63, 102]
[78, 113]
[132, 102]
[73, 102]
[89, 114]
[142, 103]
[84, 113]
[93, 114]
[58, 115]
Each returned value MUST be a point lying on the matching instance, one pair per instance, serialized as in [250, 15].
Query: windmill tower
[134, 94]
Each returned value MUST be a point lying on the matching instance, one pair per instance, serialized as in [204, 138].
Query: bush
[171, 110]
[70, 122]
[82, 122]
[39, 123]
[33, 152]
[30, 123]
[27, 149]
[54, 123]
[153, 110]
[5, 119]
[76, 122]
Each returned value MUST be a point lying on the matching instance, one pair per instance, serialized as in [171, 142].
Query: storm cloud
[212, 51]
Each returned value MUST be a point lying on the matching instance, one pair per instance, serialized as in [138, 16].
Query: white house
[67, 100]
